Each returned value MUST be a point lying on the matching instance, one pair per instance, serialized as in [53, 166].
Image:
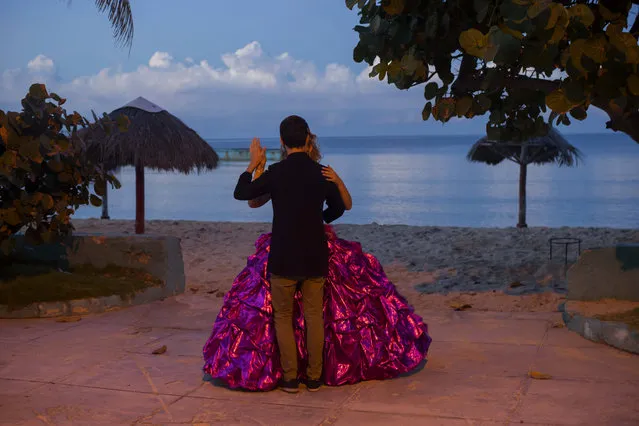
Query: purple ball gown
[371, 332]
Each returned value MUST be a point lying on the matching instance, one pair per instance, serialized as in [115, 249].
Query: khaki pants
[283, 293]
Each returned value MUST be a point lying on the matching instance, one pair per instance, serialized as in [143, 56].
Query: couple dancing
[308, 307]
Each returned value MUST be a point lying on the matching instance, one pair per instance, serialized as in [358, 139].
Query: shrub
[44, 175]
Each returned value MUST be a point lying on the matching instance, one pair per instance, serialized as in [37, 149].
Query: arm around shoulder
[335, 205]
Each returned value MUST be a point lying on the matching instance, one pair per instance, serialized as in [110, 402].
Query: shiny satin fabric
[371, 332]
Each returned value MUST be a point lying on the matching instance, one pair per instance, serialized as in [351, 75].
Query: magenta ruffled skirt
[371, 332]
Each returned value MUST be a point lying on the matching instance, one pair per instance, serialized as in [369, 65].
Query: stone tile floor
[100, 370]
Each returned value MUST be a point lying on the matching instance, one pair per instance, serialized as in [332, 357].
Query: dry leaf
[558, 324]
[159, 351]
[193, 289]
[68, 319]
[515, 284]
[460, 307]
[539, 376]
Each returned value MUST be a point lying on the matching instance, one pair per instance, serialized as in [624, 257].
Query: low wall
[606, 273]
[160, 256]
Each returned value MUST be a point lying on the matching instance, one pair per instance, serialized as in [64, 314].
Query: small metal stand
[566, 241]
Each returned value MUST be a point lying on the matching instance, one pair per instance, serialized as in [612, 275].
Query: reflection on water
[419, 181]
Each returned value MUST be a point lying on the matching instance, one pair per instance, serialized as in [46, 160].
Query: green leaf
[579, 113]
[538, 7]
[11, 217]
[123, 122]
[58, 99]
[444, 109]
[38, 91]
[351, 3]
[633, 84]
[30, 149]
[484, 102]
[474, 42]
[576, 50]
[359, 52]
[95, 200]
[442, 67]
[426, 111]
[582, 13]
[47, 202]
[556, 12]
[430, 91]
[508, 48]
[607, 14]
[7, 246]
[481, 8]
[493, 133]
[431, 25]
[513, 11]
[100, 187]
[595, 49]
[574, 90]
[558, 102]
[463, 105]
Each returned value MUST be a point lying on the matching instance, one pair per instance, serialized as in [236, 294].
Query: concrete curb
[159, 255]
[94, 305]
[615, 334]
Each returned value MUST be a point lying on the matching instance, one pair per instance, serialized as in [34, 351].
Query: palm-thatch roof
[552, 148]
[155, 138]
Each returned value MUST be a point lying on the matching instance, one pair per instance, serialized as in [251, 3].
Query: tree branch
[619, 122]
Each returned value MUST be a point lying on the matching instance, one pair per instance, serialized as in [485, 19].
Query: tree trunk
[139, 198]
[523, 171]
[105, 203]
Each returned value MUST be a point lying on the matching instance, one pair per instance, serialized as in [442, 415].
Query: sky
[228, 69]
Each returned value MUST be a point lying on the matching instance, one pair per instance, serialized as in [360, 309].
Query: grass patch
[631, 318]
[22, 284]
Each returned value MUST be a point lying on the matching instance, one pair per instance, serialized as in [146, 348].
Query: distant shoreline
[470, 135]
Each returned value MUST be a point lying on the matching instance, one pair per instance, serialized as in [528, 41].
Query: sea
[415, 180]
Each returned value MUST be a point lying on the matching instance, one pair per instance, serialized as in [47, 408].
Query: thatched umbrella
[154, 139]
[552, 148]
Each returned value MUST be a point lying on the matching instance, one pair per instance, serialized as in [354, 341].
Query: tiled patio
[100, 370]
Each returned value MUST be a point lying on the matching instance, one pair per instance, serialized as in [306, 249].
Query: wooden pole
[105, 202]
[523, 169]
[139, 198]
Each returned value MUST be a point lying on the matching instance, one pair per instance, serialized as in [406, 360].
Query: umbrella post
[105, 202]
[139, 198]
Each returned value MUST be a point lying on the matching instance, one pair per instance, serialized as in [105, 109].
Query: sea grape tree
[44, 175]
[512, 59]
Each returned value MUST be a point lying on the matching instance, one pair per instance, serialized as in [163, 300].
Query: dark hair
[293, 131]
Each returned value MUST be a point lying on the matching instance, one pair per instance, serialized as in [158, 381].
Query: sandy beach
[495, 269]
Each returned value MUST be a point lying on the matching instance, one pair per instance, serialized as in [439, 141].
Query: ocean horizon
[415, 180]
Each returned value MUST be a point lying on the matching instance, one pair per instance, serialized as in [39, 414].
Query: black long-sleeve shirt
[298, 191]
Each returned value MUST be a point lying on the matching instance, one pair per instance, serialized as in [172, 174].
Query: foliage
[121, 19]
[509, 58]
[43, 174]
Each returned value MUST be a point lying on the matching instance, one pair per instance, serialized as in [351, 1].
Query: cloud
[41, 64]
[249, 88]
[160, 60]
